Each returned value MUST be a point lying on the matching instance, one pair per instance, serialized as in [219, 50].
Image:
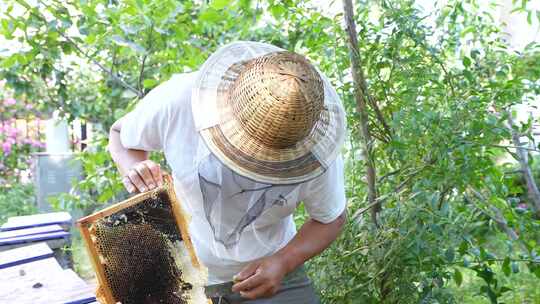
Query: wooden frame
[104, 293]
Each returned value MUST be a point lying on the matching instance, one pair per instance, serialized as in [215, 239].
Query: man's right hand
[143, 176]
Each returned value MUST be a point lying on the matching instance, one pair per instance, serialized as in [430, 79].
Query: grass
[81, 261]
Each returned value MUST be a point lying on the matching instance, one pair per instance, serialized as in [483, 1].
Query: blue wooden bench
[55, 239]
[29, 272]
[30, 231]
[42, 281]
[50, 228]
[24, 255]
[62, 219]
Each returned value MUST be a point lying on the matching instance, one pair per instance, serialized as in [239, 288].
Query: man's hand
[261, 278]
[143, 176]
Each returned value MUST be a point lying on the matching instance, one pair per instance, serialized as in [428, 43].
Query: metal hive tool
[142, 253]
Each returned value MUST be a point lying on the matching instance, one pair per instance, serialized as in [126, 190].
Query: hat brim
[240, 152]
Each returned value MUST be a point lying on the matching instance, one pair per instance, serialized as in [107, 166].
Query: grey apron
[296, 288]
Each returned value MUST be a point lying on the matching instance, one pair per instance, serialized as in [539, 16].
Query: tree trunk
[362, 97]
[83, 136]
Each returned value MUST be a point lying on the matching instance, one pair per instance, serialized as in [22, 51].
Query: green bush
[440, 95]
[16, 199]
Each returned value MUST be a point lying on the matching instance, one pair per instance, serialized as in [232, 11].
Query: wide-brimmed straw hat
[267, 114]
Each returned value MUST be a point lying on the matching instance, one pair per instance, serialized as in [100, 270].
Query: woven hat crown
[277, 99]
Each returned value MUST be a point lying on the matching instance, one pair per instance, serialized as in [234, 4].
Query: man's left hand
[261, 278]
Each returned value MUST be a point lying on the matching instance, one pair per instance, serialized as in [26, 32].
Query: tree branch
[380, 118]
[361, 96]
[102, 67]
[498, 217]
[141, 73]
[84, 54]
[532, 188]
[504, 146]
[143, 62]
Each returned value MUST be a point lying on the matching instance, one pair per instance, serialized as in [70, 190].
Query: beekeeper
[251, 135]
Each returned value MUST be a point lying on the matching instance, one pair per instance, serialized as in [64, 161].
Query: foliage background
[456, 225]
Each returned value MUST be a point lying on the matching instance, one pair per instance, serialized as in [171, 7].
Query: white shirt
[234, 219]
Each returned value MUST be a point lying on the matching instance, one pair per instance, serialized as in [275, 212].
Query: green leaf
[505, 289]
[506, 266]
[91, 38]
[468, 75]
[219, 4]
[140, 4]
[458, 277]
[469, 29]
[8, 28]
[278, 10]
[149, 83]
[537, 272]
[466, 61]
[210, 15]
[9, 61]
[463, 246]
[105, 195]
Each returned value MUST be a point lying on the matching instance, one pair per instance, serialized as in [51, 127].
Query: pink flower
[11, 140]
[10, 101]
[523, 206]
[7, 129]
[29, 106]
[12, 132]
[37, 144]
[6, 146]
[27, 141]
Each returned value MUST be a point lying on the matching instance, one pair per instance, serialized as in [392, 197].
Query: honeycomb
[137, 250]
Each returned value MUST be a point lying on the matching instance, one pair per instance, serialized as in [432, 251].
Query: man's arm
[139, 173]
[263, 277]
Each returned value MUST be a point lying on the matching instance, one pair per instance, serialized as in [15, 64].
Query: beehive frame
[104, 292]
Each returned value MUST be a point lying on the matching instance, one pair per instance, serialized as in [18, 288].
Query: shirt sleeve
[146, 127]
[324, 196]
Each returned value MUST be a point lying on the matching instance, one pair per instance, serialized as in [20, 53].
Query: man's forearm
[312, 238]
[139, 173]
[124, 158]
